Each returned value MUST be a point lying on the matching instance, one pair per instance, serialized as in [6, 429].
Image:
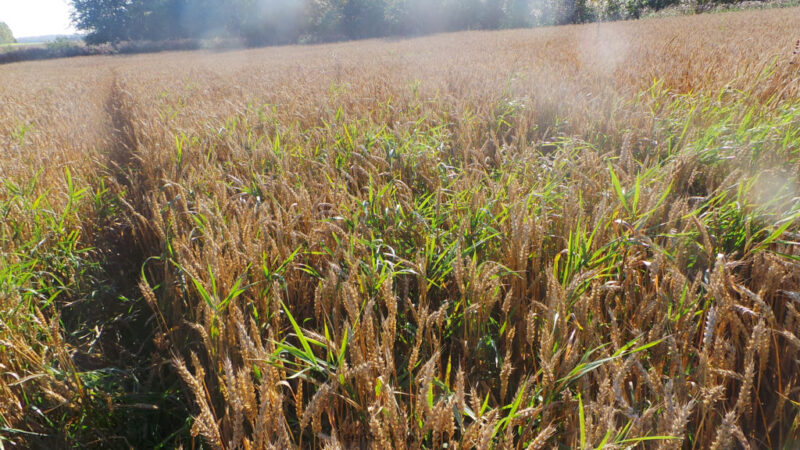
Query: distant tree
[323, 21]
[155, 20]
[104, 20]
[660, 4]
[463, 14]
[492, 14]
[517, 14]
[122, 20]
[205, 18]
[363, 18]
[6, 37]
[413, 17]
[583, 13]
[259, 22]
[255, 21]
[397, 15]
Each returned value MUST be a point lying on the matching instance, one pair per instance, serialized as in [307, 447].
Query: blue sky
[36, 17]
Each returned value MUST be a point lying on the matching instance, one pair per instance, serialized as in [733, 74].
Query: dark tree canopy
[118, 20]
[6, 37]
[260, 22]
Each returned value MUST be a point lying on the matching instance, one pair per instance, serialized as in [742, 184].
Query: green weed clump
[487, 240]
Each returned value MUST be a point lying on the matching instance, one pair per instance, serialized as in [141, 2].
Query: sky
[36, 17]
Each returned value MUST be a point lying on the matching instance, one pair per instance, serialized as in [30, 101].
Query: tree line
[6, 37]
[258, 22]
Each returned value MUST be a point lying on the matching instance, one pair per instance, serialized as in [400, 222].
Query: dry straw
[484, 240]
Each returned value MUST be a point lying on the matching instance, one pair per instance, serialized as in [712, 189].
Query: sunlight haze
[36, 17]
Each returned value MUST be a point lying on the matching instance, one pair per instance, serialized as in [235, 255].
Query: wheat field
[569, 237]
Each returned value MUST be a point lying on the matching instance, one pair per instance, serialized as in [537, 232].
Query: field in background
[581, 236]
[15, 46]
